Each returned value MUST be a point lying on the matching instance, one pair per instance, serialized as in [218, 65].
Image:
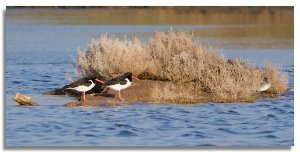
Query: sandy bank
[150, 91]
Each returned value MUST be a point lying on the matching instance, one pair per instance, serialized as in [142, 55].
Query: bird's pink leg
[120, 98]
[83, 96]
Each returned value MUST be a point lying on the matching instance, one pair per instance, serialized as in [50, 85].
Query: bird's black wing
[86, 84]
[113, 82]
[83, 81]
[119, 78]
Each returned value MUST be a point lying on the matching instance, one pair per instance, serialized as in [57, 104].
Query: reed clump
[175, 57]
[110, 57]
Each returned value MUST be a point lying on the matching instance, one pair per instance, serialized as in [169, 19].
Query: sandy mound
[150, 91]
[144, 90]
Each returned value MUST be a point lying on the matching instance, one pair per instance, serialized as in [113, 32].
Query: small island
[173, 68]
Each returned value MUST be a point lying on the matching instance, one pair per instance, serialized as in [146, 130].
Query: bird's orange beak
[99, 80]
[134, 77]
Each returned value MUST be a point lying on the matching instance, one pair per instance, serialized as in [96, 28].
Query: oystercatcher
[120, 83]
[264, 85]
[83, 87]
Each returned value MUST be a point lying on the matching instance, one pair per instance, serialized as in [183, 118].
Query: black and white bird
[119, 83]
[84, 87]
[264, 85]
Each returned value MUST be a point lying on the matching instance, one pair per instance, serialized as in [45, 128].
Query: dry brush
[175, 57]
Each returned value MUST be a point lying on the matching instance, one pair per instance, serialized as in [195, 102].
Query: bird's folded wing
[112, 82]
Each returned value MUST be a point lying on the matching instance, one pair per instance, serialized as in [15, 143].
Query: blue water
[39, 56]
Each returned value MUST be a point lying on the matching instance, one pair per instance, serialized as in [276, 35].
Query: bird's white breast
[119, 87]
[264, 86]
[83, 88]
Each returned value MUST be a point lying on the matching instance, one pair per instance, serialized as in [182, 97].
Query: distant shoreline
[190, 15]
[200, 9]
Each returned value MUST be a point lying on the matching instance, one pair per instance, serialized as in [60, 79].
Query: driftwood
[24, 100]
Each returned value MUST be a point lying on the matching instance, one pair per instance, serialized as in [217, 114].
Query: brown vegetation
[110, 57]
[278, 80]
[175, 57]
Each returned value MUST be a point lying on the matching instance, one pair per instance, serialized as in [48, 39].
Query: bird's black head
[94, 79]
[90, 78]
[265, 79]
[129, 76]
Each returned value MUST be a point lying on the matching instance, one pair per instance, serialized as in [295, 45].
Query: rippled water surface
[38, 56]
